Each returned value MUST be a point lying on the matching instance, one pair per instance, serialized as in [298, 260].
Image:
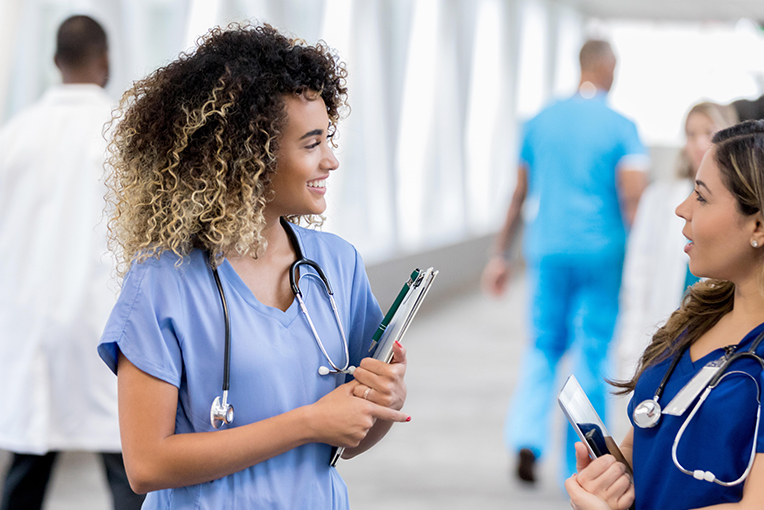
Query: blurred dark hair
[80, 39]
[593, 52]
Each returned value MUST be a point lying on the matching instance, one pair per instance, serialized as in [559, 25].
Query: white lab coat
[55, 277]
[654, 273]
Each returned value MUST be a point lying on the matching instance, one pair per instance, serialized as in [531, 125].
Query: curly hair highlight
[195, 143]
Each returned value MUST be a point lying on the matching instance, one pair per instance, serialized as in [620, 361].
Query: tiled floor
[463, 359]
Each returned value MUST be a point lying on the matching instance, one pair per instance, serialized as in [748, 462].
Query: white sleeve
[634, 334]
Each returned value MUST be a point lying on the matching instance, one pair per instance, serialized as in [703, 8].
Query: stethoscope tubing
[708, 476]
[721, 374]
[221, 412]
[227, 320]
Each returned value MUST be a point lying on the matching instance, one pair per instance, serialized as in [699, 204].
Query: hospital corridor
[586, 176]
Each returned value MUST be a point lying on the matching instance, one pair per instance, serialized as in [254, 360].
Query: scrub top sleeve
[142, 324]
[365, 313]
[633, 153]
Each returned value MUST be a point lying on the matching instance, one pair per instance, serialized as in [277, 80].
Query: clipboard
[396, 322]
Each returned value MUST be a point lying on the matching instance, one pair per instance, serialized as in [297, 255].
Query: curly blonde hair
[195, 143]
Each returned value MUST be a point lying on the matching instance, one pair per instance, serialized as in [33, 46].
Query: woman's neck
[748, 305]
[278, 243]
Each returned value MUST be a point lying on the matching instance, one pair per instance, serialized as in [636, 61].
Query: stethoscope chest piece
[647, 414]
[221, 411]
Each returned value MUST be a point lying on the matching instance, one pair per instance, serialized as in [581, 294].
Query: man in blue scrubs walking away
[581, 172]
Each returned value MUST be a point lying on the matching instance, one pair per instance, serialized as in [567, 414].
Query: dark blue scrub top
[718, 439]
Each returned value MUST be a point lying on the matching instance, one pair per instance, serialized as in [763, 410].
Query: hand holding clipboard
[396, 321]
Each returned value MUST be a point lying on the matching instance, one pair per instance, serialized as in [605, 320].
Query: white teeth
[320, 183]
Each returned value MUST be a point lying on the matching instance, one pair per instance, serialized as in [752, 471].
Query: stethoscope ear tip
[322, 370]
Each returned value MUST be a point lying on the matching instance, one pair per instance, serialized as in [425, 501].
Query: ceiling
[689, 10]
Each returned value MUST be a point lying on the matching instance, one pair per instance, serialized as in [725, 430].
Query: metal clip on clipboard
[397, 321]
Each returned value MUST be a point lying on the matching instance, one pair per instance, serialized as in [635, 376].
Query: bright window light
[416, 121]
[483, 115]
[532, 65]
[204, 15]
[665, 68]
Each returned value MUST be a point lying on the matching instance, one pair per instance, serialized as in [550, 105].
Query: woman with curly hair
[211, 155]
[710, 454]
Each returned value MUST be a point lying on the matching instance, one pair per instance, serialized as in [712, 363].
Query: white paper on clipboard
[398, 325]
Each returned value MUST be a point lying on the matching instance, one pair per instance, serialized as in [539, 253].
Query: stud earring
[754, 243]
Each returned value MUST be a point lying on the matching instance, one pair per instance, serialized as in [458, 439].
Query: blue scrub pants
[574, 308]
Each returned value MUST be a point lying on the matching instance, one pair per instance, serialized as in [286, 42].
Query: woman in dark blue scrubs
[724, 226]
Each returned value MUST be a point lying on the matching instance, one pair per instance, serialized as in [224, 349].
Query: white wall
[436, 90]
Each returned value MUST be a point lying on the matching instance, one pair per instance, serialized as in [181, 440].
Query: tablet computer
[586, 422]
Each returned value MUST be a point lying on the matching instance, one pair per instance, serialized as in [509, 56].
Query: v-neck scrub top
[718, 439]
[169, 323]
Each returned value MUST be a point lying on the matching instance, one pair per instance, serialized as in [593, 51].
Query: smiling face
[304, 159]
[719, 234]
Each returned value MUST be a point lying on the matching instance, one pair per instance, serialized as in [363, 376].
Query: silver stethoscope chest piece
[221, 412]
[647, 414]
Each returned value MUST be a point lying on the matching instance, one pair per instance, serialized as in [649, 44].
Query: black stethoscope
[221, 411]
[647, 414]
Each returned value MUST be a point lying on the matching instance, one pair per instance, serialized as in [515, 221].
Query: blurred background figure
[54, 293]
[749, 109]
[655, 274]
[582, 169]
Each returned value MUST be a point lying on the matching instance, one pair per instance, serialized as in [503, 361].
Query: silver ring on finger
[366, 393]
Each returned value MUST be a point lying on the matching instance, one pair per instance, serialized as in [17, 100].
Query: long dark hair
[739, 153]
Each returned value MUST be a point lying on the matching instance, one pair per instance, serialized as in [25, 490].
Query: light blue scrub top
[572, 150]
[168, 322]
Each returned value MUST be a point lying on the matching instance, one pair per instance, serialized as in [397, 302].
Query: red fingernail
[408, 419]
[398, 343]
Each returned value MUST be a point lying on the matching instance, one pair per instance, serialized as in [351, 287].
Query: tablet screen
[586, 422]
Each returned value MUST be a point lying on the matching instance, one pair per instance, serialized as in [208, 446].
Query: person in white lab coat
[54, 295]
[655, 274]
